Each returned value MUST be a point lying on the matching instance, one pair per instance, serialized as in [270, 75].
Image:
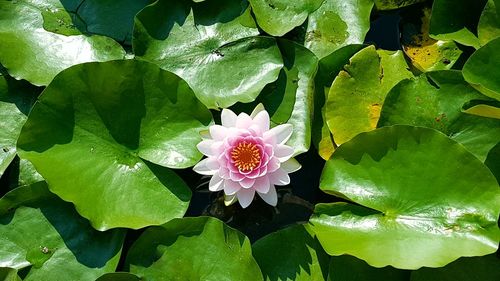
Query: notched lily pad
[210, 45]
[100, 134]
[197, 249]
[32, 53]
[424, 200]
[56, 242]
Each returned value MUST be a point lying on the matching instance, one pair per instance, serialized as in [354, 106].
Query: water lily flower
[245, 156]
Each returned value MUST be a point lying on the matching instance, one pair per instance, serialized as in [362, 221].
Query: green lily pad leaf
[456, 20]
[336, 24]
[278, 17]
[465, 269]
[358, 92]
[493, 161]
[8, 274]
[210, 45]
[292, 253]
[417, 214]
[435, 100]
[118, 276]
[110, 18]
[31, 52]
[99, 132]
[290, 98]
[480, 70]
[201, 248]
[328, 68]
[349, 268]
[425, 53]
[489, 23]
[56, 242]
[484, 110]
[394, 4]
[16, 99]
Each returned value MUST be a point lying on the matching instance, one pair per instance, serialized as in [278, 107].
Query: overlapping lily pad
[210, 45]
[278, 17]
[424, 200]
[358, 92]
[291, 254]
[100, 134]
[489, 24]
[38, 229]
[16, 99]
[31, 52]
[336, 24]
[456, 20]
[435, 100]
[481, 69]
[201, 248]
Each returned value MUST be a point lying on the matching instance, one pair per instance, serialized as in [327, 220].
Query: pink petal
[231, 187]
[224, 173]
[262, 185]
[247, 182]
[212, 163]
[217, 147]
[279, 177]
[279, 134]
[270, 197]
[291, 165]
[263, 171]
[269, 149]
[203, 168]
[262, 120]
[283, 152]
[205, 147]
[243, 121]
[216, 183]
[254, 174]
[255, 130]
[228, 118]
[236, 176]
[218, 132]
[273, 165]
[245, 197]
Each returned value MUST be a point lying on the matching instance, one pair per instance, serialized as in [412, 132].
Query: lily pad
[278, 17]
[456, 20]
[425, 53]
[358, 92]
[56, 242]
[16, 99]
[328, 69]
[336, 24]
[291, 254]
[201, 248]
[210, 45]
[349, 268]
[31, 52]
[489, 23]
[8, 274]
[100, 133]
[480, 70]
[484, 110]
[424, 200]
[118, 276]
[290, 98]
[435, 100]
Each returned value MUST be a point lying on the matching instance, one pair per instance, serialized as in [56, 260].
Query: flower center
[246, 156]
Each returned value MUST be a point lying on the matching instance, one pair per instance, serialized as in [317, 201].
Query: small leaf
[336, 24]
[480, 70]
[197, 249]
[358, 92]
[56, 242]
[489, 23]
[292, 253]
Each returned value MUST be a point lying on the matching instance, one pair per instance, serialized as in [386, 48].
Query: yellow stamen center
[246, 156]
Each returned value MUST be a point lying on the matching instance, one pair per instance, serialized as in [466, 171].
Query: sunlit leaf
[489, 23]
[424, 200]
[38, 229]
[195, 249]
[100, 133]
